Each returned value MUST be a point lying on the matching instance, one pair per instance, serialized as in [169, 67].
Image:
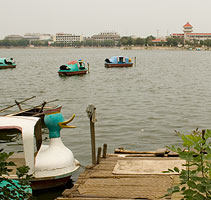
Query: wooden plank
[123, 151]
[98, 182]
[126, 187]
[109, 174]
[91, 198]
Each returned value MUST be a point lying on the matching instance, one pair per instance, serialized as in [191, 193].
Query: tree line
[124, 41]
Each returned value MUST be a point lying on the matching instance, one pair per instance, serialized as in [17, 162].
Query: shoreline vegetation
[125, 43]
[115, 47]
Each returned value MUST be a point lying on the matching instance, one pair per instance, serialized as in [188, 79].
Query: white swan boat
[51, 165]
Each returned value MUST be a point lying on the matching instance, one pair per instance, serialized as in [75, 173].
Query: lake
[137, 108]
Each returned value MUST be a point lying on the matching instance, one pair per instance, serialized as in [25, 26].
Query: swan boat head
[54, 120]
[55, 159]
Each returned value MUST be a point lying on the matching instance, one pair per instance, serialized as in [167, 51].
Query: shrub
[13, 189]
[195, 180]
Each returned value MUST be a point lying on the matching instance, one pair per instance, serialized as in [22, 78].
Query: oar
[16, 103]
[40, 112]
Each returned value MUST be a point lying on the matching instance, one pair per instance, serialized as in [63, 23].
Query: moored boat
[73, 68]
[52, 165]
[7, 63]
[118, 61]
[33, 111]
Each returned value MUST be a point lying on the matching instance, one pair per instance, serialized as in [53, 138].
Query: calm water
[138, 108]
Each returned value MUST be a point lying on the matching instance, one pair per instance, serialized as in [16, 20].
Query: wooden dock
[126, 175]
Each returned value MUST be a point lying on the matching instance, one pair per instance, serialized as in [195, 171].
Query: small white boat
[52, 165]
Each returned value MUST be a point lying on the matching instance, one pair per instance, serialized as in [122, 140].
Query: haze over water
[138, 108]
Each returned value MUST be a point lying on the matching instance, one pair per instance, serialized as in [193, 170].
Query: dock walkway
[126, 176]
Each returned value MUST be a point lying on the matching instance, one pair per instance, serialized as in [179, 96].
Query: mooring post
[99, 154]
[104, 150]
[91, 115]
[88, 67]
[135, 61]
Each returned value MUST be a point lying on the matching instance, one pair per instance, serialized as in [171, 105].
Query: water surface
[138, 108]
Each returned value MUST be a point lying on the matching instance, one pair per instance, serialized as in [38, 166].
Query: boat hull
[72, 73]
[7, 66]
[50, 183]
[109, 65]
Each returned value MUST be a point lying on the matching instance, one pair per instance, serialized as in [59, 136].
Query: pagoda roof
[187, 25]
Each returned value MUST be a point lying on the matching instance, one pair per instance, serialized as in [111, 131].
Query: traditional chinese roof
[187, 25]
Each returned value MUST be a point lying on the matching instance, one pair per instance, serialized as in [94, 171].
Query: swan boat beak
[64, 124]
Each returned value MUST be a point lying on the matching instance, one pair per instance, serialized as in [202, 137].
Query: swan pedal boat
[7, 63]
[51, 165]
[73, 68]
[118, 61]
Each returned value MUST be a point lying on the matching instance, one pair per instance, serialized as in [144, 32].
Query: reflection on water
[138, 108]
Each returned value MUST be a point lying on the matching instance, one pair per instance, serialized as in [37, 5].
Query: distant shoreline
[121, 48]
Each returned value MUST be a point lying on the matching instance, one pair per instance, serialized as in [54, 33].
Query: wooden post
[88, 67]
[135, 61]
[91, 115]
[104, 150]
[99, 154]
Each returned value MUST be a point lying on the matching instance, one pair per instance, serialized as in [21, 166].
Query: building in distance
[37, 36]
[103, 36]
[14, 37]
[67, 38]
[188, 34]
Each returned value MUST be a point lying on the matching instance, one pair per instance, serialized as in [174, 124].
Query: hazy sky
[127, 17]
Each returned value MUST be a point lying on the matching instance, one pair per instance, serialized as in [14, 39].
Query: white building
[106, 36]
[190, 36]
[13, 37]
[67, 38]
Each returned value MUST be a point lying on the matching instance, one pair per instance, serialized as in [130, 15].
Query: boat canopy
[27, 126]
[119, 59]
[72, 62]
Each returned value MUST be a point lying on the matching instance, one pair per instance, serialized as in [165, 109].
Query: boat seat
[64, 67]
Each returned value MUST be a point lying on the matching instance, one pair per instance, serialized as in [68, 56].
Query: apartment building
[67, 38]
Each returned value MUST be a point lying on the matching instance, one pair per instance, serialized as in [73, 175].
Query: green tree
[148, 40]
[139, 41]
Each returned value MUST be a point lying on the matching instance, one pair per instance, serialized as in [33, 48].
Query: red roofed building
[189, 35]
[187, 25]
[159, 40]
